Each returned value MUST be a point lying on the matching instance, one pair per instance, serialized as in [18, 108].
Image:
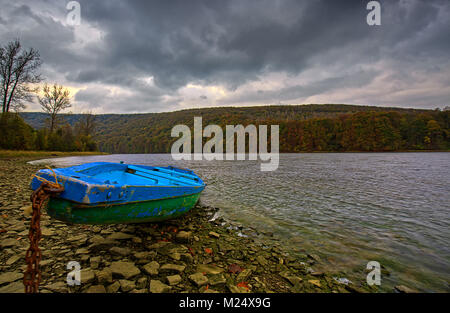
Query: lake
[349, 208]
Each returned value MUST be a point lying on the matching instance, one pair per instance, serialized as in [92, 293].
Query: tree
[55, 99]
[86, 125]
[18, 69]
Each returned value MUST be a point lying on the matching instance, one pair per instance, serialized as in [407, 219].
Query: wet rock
[173, 280]
[124, 269]
[96, 289]
[173, 267]
[151, 268]
[157, 286]
[199, 279]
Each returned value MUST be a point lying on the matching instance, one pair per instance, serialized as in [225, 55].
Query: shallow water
[349, 208]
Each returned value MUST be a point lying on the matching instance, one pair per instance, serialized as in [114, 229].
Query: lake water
[349, 208]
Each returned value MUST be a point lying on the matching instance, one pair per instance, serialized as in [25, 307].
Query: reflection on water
[349, 208]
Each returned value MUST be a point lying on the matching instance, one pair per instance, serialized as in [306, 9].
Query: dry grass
[42, 154]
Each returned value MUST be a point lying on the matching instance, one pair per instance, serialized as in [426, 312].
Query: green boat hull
[134, 212]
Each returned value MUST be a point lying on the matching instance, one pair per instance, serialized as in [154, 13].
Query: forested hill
[332, 127]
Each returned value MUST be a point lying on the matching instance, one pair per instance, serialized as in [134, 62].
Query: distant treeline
[302, 128]
[16, 134]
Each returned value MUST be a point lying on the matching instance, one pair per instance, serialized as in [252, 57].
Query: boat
[114, 193]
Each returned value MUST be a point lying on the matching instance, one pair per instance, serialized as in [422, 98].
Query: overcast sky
[154, 56]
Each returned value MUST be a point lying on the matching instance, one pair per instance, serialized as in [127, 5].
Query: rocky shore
[195, 253]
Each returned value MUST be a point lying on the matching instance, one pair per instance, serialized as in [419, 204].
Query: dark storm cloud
[233, 43]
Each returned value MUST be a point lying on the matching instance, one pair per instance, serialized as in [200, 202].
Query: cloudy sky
[155, 56]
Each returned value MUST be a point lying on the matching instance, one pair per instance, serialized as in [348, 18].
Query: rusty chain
[39, 197]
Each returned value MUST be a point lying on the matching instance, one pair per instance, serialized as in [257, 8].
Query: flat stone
[87, 276]
[124, 269]
[15, 287]
[213, 234]
[104, 276]
[315, 257]
[145, 255]
[82, 251]
[13, 259]
[96, 289]
[27, 210]
[10, 242]
[199, 279]
[59, 287]
[157, 286]
[120, 251]
[173, 267]
[113, 288]
[183, 236]
[244, 275]
[315, 282]
[46, 232]
[261, 260]
[404, 289]
[151, 268]
[126, 285]
[209, 269]
[10, 277]
[95, 262]
[158, 245]
[79, 238]
[119, 236]
[142, 283]
[173, 280]
[236, 289]
[218, 279]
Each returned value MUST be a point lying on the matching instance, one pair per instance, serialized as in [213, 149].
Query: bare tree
[55, 99]
[18, 70]
[86, 125]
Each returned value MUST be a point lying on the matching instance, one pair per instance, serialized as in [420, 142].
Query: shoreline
[32, 154]
[194, 253]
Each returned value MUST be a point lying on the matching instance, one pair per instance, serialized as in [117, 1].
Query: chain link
[39, 197]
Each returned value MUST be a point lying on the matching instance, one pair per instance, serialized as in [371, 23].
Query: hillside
[330, 127]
